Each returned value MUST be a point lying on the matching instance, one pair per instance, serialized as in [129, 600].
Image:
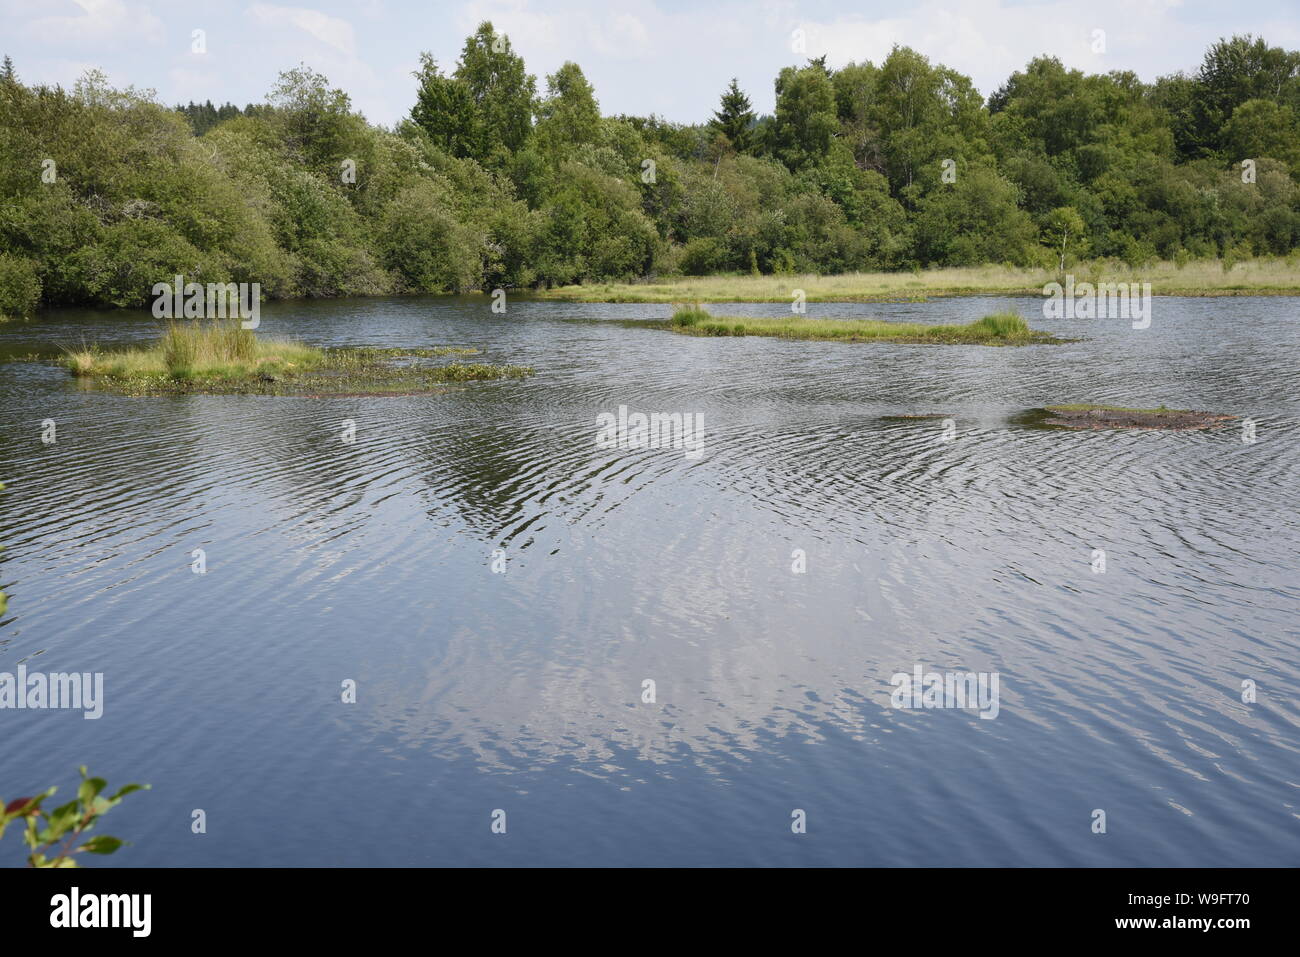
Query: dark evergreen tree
[734, 118]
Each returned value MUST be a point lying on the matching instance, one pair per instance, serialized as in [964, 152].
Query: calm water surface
[522, 691]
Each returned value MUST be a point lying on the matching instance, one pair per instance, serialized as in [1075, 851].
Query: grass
[1003, 328]
[1252, 277]
[193, 351]
[225, 358]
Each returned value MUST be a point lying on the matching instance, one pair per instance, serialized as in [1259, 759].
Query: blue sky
[671, 57]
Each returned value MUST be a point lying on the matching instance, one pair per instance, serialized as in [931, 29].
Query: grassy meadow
[1254, 277]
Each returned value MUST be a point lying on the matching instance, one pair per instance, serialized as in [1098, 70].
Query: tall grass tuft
[1002, 325]
[688, 316]
[187, 346]
[180, 348]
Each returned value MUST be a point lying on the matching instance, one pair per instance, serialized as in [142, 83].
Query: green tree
[855, 94]
[805, 120]
[503, 93]
[1063, 232]
[924, 120]
[977, 221]
[734, 118]
[427, 244]
[569, 116]
[315, 121]
[1260, 128]
[445, 109]
[1234, 71]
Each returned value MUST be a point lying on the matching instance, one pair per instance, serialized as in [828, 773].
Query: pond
[498, 586]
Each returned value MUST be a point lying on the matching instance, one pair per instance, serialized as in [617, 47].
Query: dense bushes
[20, 287]
[488, 184]
[426, 246]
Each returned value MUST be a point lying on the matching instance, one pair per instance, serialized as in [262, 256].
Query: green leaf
[102, 844]
[62, 820]
[127, 789]
[90, 787]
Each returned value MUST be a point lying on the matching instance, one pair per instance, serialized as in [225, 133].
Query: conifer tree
[734, 118]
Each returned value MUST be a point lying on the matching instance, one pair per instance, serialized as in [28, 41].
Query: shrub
[421, 241]
[20, 287]
[703, 255]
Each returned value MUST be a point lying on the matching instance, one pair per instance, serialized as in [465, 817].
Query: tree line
[491, 182]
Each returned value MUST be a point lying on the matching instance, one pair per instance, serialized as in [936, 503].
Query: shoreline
[1036, 293]
[1271, 278]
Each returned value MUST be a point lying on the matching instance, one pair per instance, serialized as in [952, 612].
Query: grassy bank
[227, 359]
[1005, 328]
[1252, 277]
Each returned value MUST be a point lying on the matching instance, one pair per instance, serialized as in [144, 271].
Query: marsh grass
[1213, 277]
[194, 351]
[1004, 328]
[228, 359]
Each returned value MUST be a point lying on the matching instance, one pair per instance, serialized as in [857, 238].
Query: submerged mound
[1083, 416]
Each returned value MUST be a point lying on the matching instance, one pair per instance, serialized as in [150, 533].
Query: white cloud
[332, 31]
[621, 35]
[989, 39]
[99, 23]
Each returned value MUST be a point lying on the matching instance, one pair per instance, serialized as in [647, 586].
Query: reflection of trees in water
[486, 473]
[502, 471]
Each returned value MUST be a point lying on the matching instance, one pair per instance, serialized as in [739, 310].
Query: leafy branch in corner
[54, 837]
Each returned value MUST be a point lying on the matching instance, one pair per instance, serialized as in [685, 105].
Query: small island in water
[227, 359]
[999, 329]
[1088, 416]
